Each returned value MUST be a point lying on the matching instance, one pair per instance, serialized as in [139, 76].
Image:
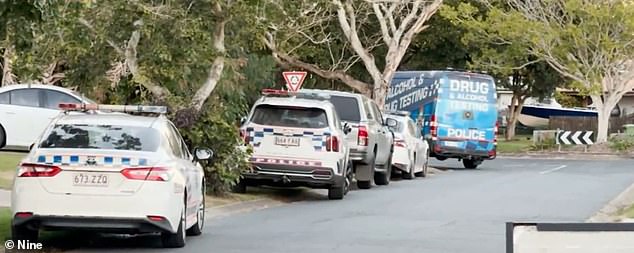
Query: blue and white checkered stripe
[256, 135]
[82, 159]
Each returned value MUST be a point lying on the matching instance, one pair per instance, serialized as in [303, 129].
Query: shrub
[622, 142]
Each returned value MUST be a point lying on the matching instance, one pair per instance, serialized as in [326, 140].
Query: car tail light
[433, 127]
[495, 135]
[37, 170]
[23, 214]
[147, 174]
[332, 144]
[400, 143]
[362, 136]
[244, 136]
[156, 218]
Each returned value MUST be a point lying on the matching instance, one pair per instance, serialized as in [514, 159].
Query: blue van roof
[433, 73]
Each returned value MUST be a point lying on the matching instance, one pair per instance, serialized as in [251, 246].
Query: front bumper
[292, 175]
[101, 224]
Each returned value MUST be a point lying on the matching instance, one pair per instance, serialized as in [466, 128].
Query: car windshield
[287, 116]
[346, 107]
[102, 137]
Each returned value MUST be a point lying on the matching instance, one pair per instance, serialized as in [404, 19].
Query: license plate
[287, 141]
[90, 179]
[454, 144]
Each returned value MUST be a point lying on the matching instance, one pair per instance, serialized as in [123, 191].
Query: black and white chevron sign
[575, 137]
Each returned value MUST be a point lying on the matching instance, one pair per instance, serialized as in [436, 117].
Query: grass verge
[520, 143]
[8, 163]
[5, 223]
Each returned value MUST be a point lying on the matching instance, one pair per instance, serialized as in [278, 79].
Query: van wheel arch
[3, 136]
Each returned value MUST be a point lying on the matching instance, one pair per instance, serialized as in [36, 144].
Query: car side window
[25, 97]
[174, 141]
[411, 128]
[183, 147]
[377, 112]
[367, 109]
[4, 98]
[54, 98]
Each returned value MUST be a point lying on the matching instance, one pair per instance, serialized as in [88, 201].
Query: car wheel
[409, 174]
[368, 184]
[425, 168]
[338, 191]
[24, 233]
[239, 187]
[197, 229]
[3, 137]
[383, 178]
[177, 240]
[470, 163]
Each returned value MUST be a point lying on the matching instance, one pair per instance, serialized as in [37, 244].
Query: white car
[297, 140]
[27, 109]
[111, 173]
[411, 151]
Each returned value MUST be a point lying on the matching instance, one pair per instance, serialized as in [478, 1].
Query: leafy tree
[590, 42]
[345, 32]
[502, 52]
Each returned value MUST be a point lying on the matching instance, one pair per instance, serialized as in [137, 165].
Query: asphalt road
[454, 211]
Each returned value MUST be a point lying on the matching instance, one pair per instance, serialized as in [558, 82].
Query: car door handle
[10, 113]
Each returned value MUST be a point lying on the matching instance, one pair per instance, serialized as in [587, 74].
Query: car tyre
[470, 163]
[239, 187]
[24, 233]
[425, 168]
[3, 137]
[383, 178]
[197, 229]
[409, 174]
[368, 184]
[177, 240]
[339, 191]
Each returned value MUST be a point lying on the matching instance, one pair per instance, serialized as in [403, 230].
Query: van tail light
[495, 135]
[244, 136]
[362, 136]
[147, 174]
[332, 144]
[433, 127]
[400, 143]
[37, 170]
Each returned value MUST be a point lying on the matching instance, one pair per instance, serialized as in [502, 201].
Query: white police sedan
[114, 173]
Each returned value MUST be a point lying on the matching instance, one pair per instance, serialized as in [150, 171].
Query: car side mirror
[203, 154]
[243, 120]
[346, 128]
[391, 122]
[31, 146]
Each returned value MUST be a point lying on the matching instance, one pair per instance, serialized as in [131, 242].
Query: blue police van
[456, 111]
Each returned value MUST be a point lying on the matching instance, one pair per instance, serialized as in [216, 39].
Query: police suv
[110, 172]
[297, 140]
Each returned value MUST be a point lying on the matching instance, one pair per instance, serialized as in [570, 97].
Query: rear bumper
[454, 152]
[68, 210]
[101, 224]
[401, 159]
[293, 176]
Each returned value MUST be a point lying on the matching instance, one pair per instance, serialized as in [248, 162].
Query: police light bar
[113, 108]
[298, 94]
[400, 113]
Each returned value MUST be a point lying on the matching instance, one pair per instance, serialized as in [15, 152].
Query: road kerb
[610, 212]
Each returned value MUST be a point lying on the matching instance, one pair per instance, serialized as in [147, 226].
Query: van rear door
[467, 112]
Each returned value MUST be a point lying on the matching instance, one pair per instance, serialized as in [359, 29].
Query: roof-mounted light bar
[298, 94]
[113, 108]
[400, 113]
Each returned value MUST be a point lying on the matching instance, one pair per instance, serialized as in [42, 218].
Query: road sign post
[294, 79]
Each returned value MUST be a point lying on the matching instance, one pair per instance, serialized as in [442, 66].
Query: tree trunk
[380, 92]
[517, 102]
[7, 64]
[604, 105]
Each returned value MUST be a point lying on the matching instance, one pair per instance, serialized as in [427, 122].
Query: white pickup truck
[371, 141]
